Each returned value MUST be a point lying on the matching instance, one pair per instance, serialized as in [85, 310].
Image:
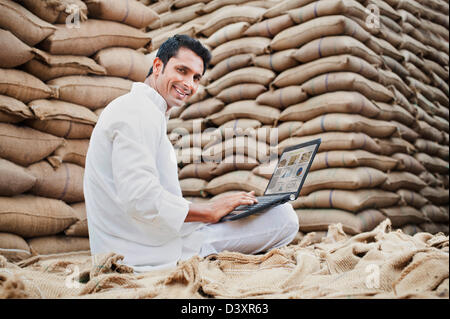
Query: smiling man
[133, 197]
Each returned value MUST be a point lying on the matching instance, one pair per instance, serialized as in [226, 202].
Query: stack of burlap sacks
[61, 63]
[368, 77]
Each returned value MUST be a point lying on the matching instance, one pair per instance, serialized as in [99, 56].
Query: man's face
[178, 80]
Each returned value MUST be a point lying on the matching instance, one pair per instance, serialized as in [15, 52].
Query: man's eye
[181, 70]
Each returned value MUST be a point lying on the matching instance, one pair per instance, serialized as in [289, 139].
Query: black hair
[171, 46]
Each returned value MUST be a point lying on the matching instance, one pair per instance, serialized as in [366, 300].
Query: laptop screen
[290, 171]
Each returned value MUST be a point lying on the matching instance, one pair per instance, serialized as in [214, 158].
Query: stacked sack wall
[368, 77]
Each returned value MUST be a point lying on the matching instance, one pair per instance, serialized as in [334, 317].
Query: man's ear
[157, 66]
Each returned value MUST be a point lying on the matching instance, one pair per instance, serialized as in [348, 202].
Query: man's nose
[189, 83]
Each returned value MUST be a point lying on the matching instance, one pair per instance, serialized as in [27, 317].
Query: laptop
[286, 181]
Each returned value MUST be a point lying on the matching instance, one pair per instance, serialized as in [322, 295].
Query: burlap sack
[245, 91]
[429, 132]
[395, 66]
[202, 171]
[198, 96]
[431, 148]
[196, 140]
[353, 159]
[335, 122]
[202, 109]
[284, 6]
[392, 145]
[432, 164]
[58, 11]
[14, 52]
[266, 169]
[283, 97]
[64, 183]
[279, 61]
[227, 33]
[30, 216]
[347, 81]
[48, 245]
[184, 127]
[24, 145]
[245, 75]
[436, 195]
[90, 91]
[343, 178]
[406, 180]
[23, 24]
[124, 62]
[73, 151]
[132, 13]
[92, 36]
[14, 247]
[158, 40]
[13, 111]
[237, 127]
[403, 215]
[388, 78]
[335, 141]
[79, 228]
[429, 65]
[245, 109]
[333, 102]
[238, 145]
[284, 130]
[417, 73]
[237, 180]
[408, 163]
[435, 214]
[370, 219]
[411, 198]
[320, 219]
[188, 155]
[251, 45]
[14, 179]
[183, 15]
[215, 5]
[235, 163]
[193, 186]
[406, 132]
[228, 65]
[434, 228]
[296, 36]
[23, 86]
[411, 229]
[269, 27]
[354, 201]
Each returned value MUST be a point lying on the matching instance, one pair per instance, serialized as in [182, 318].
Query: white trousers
[273, 228]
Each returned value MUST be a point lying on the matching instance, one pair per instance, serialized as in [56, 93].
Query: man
[133, 198]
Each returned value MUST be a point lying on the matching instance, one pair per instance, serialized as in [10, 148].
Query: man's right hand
[213, 211]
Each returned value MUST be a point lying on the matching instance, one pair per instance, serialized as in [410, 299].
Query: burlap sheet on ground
[378, 264]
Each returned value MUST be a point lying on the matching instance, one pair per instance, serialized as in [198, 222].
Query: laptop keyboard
[262, 201]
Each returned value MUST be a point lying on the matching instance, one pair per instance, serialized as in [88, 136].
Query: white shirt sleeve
[136, 176]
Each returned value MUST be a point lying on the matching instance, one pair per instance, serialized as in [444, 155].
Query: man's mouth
[182, 94]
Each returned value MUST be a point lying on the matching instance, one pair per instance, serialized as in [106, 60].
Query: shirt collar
[153, 95]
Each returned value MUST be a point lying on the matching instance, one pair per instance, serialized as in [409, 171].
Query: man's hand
[213, 211]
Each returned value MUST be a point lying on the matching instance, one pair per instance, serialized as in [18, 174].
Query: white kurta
[133, 197]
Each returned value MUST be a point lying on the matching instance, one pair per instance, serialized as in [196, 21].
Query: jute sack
[388, 78]
[158, 40]
[343, 178]
[278, 61]
[406, 132]
[354, 201]
[411, 229]
[24, 145]
[382, 47]
[431, 65]
[430, 179]
[411, 44]
[57, 11]
[406, 180]
[13, 111]
[403, 215]
[392, 145]
[296, 36]
[30, 216]
[23, 24]
[198, 96]
[434, 228]
[336, 45]
[184, 127]
[202, 171]
[412, 198]
[436, 195]
[395, 66]
[408, 56]
[417, 73]
[235, 162]
[431, 148]
[80, 228]
[124, 62]
[429, 132]
[14, 247]
[182, 15]
[401, 100]
[245, 109]
[73, 151]
[91, 91]
[335, 141]
[228, 65]
[92, 36]
[408, 163]
[320, 219]
[237, 127]
[282, 98]
[62, 119]
[284, 6]
[215, 5]
[269, 27]
[14, 179]
[333, 102]
[347, 81]
[229, 15]
[48, 245]
[237, 180]
[370, 219]
[251, 45]
[300, 74]
[196, 140]
[352, 159]
[133, 13]
[188, 155]
[64, 183]
[435, 214]
[336, 122]
[245, 75]
[202, 109]
[14, 52]
[193, 186]
[266, 169]
[227, 33]
[23, 86]
[274, 135]
[432, 164]
[239, 145]
[244, 91]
